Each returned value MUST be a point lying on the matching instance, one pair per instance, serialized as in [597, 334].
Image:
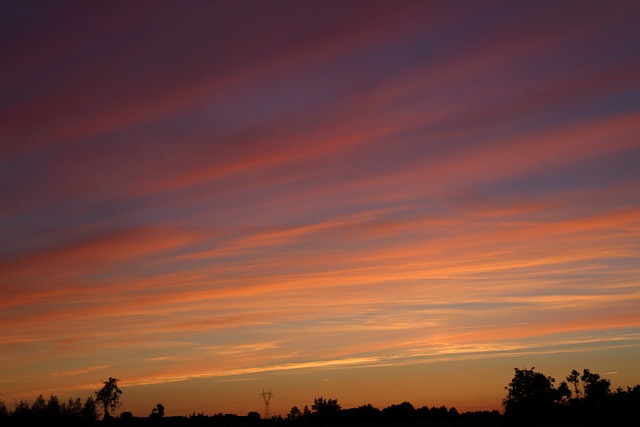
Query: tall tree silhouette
[109, 396]
[574, 378]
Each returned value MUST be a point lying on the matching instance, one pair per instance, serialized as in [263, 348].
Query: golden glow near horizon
[371, 202]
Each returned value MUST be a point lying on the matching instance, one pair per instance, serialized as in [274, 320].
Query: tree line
[71, 412]
[532, 399]
[583, 398]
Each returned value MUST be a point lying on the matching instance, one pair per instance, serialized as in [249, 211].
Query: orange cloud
[93, 254]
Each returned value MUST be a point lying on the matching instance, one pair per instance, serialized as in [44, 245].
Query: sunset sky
[374, 201]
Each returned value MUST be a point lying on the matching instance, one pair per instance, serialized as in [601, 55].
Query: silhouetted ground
[485, 419]
[532, 401]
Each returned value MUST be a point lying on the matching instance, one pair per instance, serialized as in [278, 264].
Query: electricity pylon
[266, 395]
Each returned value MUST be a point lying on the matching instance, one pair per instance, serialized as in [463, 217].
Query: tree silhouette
[325, 407]
[158, 411]
[90, 410]
[365, 411]
[73, 408]
[39, 406]
[402, 410]
[253, 415]
[306, 412]
[531, 395]
[596, 389]
[563, 393]
[574, 378]
[109, 396]
[294, 413]
[54, 409]
[22, 410]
